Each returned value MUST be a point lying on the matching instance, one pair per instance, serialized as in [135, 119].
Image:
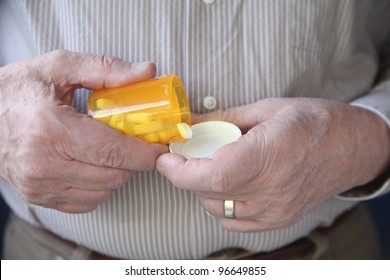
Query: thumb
[96, 71]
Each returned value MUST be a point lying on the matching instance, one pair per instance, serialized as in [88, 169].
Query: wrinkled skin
[54, 156]
[295, 154]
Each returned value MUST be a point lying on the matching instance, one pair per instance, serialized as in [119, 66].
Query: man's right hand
[54, 156]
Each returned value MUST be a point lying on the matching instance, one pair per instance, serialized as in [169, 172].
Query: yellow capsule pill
[120, 126]
[105, 119]
[114, 119]
[117, 121]
[128, 129]
[150, 127]
[164, 136]
[184, 130]
[138, 118]
[150, 137]
[105, 103]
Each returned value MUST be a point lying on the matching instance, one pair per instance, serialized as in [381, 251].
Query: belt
[299, 247]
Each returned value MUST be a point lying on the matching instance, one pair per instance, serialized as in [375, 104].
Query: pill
[184, 130]
[150, 137]
[120, 126]
[113, 120]
[150, 127]
[105, 103]
[164, 136]
[128, 129]
[117, 121]
[139, 118]
[105, 119]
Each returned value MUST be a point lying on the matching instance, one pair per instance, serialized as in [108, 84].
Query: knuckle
[59, 57]
[110, 156]
[59, 54]
[108, 61]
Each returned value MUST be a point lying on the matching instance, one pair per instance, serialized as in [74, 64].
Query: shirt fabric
[238, 52]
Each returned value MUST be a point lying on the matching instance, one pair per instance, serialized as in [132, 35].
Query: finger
[193, 174]
[270, 216]
[264, 222]
[96, 71]
[216, 207]
[246, 217]
[71, 199]
[238, 225]
[75, 195]
[74, 208]
[242, 210]
[96, 143]
[231, 166]
[92, 177]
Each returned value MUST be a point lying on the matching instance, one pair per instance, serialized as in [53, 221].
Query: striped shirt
[235, 51]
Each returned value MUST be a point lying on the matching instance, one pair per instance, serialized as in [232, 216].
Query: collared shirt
[230, 52]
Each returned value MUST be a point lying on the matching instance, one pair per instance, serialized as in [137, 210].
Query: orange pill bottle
[156, 110]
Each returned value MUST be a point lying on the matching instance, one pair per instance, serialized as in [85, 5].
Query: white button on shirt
[209, 102]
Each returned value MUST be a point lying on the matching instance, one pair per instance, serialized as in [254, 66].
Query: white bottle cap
[207, 138]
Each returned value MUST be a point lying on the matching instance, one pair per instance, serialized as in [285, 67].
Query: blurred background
[380, 209]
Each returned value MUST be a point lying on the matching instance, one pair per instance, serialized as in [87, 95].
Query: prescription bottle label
[156, 111]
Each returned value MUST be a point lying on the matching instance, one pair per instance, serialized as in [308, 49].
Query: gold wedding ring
[228, 207]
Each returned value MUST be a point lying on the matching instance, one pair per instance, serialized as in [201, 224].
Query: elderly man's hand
[53, 155]
[295, 153]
